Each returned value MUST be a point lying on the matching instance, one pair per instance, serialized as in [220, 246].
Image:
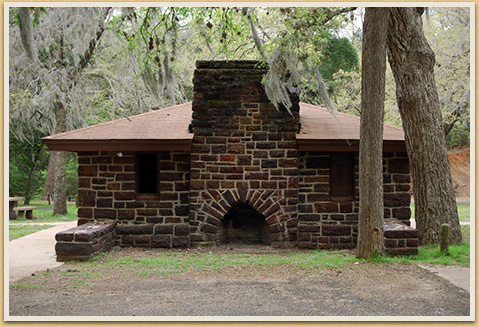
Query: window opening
[147, 173]
[342, 175]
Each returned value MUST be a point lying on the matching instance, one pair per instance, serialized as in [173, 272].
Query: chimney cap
[232, 64]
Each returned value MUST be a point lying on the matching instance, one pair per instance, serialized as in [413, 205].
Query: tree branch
[91, 48]
[455, 115]
[333, 13]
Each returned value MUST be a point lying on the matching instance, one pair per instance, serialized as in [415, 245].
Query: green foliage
[338, 54]
[448, 31]
[460, 135]
[346, 91]
[25, 163]
[72, 175]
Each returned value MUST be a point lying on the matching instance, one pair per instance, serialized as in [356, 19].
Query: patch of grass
[181, 262]
[17, 231]
[25, 285]
[46, 216]
[466, 233]
[174, 262]
[463, 210]
[41, 203]
[458, 256]
[79, 282]
[86, 274]
[44, 274]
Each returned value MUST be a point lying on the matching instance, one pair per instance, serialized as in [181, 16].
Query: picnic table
[13, 203]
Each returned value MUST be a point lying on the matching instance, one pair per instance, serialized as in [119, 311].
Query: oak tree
[412, 62]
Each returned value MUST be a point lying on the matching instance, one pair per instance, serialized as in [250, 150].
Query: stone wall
[397, 187]
[107, 191]
[399, 238]
[244, 152]
[324, 221]
[85, 241]
[327, 221]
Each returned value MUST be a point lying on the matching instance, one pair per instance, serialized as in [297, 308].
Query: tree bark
[25, 27]
[48, 190]
[371, 201]
[60, 206]
[412, 63]
[28, 193]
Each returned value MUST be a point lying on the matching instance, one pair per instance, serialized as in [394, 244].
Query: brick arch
[218, 203]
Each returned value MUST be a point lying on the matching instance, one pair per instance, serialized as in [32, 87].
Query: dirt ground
[353, 290]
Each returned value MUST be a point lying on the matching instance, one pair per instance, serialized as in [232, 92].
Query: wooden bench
[25, 212]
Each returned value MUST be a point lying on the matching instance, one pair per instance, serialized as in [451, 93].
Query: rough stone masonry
[244, 157]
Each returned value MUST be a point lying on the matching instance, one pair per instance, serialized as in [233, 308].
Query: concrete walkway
[34, 253]
[459, 276]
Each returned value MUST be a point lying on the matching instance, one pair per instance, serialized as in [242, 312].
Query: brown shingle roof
[323, 130]
[320, 123]
[167, 129]
[164, 129]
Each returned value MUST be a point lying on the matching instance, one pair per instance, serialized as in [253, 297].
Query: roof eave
[346, 145]
[117, 145]
[185, 145]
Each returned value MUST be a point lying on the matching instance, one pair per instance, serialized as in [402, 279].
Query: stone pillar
[244, 151]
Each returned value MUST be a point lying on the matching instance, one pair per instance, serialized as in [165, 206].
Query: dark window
[342, 175]
[148, 173]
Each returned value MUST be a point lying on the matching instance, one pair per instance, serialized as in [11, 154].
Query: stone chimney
[244, 156]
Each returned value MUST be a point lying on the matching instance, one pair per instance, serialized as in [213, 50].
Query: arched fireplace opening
[243, 225]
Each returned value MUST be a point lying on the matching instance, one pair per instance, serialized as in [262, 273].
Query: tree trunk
[48, 190]
[371, 201]
[60, 206]
[25, 27]
[28, 193]
[412, 63]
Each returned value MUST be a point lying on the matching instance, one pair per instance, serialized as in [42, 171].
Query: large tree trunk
[60, 206]
[412, 63]
[48, 190]
[371, 202]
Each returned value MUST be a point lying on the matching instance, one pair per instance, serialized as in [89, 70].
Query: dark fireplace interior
[243, 225]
